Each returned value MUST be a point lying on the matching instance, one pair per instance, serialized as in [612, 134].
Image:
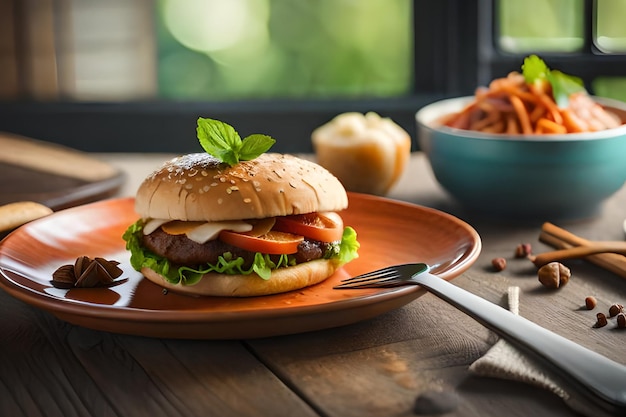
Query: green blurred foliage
[342, 48]
[294, 48]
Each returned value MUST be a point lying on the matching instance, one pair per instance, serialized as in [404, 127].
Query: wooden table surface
[373, 368]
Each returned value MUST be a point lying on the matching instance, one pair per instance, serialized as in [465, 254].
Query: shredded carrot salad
[511, 105]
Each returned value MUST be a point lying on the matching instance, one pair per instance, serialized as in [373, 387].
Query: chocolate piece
[86, 273]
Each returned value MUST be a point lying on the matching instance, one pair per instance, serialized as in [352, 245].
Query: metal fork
[587, 374]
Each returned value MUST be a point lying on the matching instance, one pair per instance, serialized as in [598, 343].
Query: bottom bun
[282, 280]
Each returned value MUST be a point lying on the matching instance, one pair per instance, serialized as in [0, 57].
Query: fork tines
[377, 273]
[391, 276]
[381, 278]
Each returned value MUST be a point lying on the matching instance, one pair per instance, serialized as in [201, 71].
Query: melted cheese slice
[262, 226]
[199, 232]
[153, 224]
[210, 230]
[179, 227]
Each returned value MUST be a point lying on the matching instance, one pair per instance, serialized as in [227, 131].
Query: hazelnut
[523, 250]
[554, 275]
[499, 264]
[600, 320]
[615, 309]
[621, 321]
[591, 302]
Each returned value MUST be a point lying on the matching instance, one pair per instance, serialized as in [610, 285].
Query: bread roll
[366, 152]
[16, 214]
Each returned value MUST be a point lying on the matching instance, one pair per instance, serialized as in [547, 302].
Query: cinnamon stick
[562, 239]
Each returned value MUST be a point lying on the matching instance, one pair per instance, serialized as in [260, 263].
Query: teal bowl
[543, 177]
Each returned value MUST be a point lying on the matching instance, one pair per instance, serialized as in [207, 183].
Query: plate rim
[137, 315]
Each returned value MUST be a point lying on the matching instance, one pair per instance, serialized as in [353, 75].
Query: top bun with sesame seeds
[198, 187]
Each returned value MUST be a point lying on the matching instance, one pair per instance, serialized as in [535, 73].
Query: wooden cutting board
[51, 174]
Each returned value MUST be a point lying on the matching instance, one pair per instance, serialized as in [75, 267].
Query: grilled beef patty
[183, 251]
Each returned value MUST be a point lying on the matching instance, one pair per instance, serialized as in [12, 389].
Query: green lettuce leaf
[140, 257]
[563, 85]
[534, 69]
[262, 265]
[349, 247]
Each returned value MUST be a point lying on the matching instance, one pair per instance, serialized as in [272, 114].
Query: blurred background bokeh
[158, 58]
[207, 49]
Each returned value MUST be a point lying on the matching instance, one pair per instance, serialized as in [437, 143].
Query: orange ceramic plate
[390, 232]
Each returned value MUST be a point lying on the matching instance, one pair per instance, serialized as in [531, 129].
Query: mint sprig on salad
[222, 141]
[536, 71]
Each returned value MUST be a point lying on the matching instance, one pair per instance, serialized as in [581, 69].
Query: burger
[216, 225]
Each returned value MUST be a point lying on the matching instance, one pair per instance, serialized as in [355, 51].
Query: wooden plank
[66, 50]
[379, 367]
[37, 374]
[562, 310]
[51, 368]
[39, 49]
[426, 347]
[106, 50]
[51, 174]
[9, 78]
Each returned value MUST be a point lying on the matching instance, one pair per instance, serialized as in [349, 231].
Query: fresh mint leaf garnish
[223, 142]
[534, 69]
[254, 145]
[563, 85]
[218, 139]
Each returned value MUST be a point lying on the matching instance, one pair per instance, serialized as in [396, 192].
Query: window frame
[587, 64]
[453, 52]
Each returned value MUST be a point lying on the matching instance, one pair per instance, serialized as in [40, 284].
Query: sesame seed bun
[198, 187]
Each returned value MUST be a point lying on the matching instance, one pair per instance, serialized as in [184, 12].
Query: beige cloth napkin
[505, 361]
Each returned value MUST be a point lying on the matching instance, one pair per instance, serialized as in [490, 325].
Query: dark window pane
[541, 25]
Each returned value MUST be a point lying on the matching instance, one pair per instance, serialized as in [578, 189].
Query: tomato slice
[323, 227]
[272, 243]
